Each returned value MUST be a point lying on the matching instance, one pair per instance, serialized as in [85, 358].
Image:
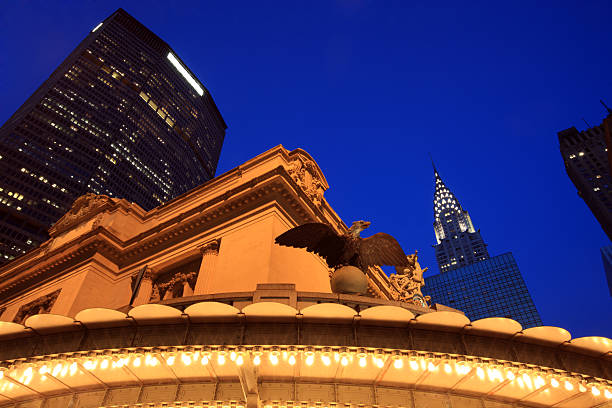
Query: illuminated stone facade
[120, 116]
[223, 317]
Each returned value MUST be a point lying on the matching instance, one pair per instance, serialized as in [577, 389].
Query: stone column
[210, 252]
[146, 288]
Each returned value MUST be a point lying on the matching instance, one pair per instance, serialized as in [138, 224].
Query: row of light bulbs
[523, 375]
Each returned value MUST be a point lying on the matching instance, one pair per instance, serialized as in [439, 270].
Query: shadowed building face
[121, 116]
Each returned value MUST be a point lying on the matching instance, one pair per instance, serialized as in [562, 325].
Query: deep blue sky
[368, 88]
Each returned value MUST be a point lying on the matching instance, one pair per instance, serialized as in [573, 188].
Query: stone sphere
[349, 280]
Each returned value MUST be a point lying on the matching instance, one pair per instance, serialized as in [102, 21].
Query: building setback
[470, 280]
[585, 156]
[121, 116]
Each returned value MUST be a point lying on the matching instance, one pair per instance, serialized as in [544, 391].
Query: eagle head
[357, 227]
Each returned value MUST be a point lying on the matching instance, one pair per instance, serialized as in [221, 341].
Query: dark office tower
[469, 279]
[606, 257]
[459, 244]
[586, 163]
[122, 115]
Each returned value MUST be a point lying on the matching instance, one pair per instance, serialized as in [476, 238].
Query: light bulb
[510, 375]
[309, 359]
[344, 361]
[362, 361]
[170, 360]
[431, 366]
[233, 356]
[379, 362]
[582, 388]
[273, 358]
[257, 360]
[607, 394]
[204, 360]
[186, 359]
[447, 368]
[58, 368]
[326, 360]
[220, 359]
[569, 386]
[398, 363]
[42, 370]
[595, 391]
[554, 382]
[291, 359]
[539, 382]
[137, 362]
[73, 368]
[239, 360]
[480, 372]
[414, 365]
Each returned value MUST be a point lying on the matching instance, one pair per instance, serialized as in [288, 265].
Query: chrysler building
[458, 243]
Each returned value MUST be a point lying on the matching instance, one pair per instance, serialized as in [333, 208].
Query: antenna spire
[432, 163]
[587, 123]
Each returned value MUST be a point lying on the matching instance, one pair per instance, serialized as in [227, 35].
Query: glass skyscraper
[122, 115]
[490, 288]
[470, 280]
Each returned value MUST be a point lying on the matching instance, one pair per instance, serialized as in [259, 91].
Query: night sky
[368, 88]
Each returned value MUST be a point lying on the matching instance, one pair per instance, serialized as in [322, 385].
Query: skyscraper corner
[122, 116]
[586, 160]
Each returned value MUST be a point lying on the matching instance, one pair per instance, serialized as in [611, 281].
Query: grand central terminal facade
[192, 304]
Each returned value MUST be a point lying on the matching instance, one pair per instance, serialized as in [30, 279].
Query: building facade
[191, 304]
[493, 287]
[122, 115]
[606, 257]
[469, 279]
[458, 243]
[585, 156]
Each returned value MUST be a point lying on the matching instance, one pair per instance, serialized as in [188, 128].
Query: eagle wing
[381, 249]
[315, 237]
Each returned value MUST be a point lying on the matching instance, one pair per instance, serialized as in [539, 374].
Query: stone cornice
[44, 263]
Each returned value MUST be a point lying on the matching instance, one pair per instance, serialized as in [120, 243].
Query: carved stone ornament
[407, 283]
[211, 248]
[39, 306]
[305, 174]
[82, 209]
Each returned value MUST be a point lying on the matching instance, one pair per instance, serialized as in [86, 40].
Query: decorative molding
[83, 208]
[38, 306]
[174, 287]
[306, 174]
[211, 248]
[39, 265]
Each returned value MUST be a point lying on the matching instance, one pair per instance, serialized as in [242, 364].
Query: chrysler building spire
[458, 243]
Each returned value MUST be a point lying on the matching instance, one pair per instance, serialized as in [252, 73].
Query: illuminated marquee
[180, 68]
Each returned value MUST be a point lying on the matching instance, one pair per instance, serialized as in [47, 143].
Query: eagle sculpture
[345, 249]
